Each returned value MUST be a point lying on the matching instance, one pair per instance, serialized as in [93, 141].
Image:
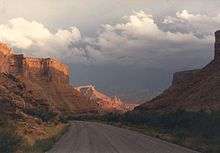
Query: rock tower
[217, 46]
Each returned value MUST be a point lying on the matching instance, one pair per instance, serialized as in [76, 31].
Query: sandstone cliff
[48, 79]
[191, 90]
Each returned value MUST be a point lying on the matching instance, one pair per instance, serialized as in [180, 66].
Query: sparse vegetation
[42, 112]
[15, 137]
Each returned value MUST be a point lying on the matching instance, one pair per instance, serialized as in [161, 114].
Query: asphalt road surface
[87, 137]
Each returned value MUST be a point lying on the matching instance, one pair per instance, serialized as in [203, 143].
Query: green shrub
[43, 113]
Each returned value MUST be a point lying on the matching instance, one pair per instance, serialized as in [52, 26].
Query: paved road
[86, 137]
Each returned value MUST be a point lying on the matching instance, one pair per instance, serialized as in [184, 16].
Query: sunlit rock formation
[33, 68]
[48, 80]
[104, 101]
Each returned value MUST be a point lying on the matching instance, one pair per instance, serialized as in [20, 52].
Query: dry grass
[38, 136]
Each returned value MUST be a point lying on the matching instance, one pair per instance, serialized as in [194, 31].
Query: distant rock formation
[105, 102]
[191, 90]
[48, 80]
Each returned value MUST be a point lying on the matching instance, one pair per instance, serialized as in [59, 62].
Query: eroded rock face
[48, 81]
[39, 69]
[33, 68]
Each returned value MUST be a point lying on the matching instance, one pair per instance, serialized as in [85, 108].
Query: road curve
[89, 137]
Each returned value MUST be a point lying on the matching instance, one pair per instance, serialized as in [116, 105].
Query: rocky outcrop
[191, 90]
[105, 102]
[5, 53]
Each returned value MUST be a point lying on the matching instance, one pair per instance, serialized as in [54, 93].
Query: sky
[124, 47]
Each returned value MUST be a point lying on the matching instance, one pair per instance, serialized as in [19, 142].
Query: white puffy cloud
[138, 40]
[199, 24]
[35, 39]
[22, 33]
[186, 15]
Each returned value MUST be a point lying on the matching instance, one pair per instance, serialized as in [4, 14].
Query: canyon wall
[46, 69]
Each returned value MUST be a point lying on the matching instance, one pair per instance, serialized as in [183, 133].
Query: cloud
[137, 40]
[186, 15]
[22, 33]
[140, 41]
[35, 39]
[199, 24]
